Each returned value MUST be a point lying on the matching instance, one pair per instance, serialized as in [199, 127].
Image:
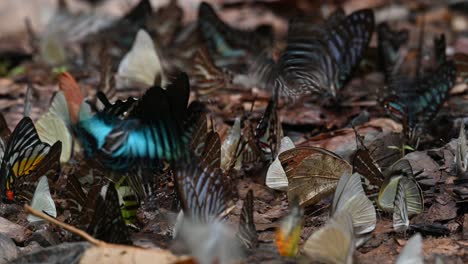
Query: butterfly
[81, 202]
[150, 130]
[229, 46]
[288, 234]
[25, 158]
[205, 143]
[247, 233]
[269, 131]
[141, 66]
[350, 197]
[312, 172]
[332, 243]
[413, 194]
[201, 191]
[107, 223]
[206, 76]
[319, 58]
[276, 177]
[52, 128]
[415, 103]
[42, 200]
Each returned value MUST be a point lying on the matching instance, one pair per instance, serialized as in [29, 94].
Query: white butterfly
[42, 200]
[141, 65]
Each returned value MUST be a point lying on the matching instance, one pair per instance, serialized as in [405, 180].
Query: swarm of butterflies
[162, 149]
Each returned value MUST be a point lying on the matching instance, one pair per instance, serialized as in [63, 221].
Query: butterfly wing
[247, 233]
[22, 155]
[42, 200]
[201, 191]
[108, 223]
[313, 173]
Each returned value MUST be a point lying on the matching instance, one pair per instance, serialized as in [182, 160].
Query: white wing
[42, 200]
[141, 65]
[276, 177]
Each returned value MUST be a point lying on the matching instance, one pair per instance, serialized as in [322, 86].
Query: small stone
[8, 250]
[14, 231]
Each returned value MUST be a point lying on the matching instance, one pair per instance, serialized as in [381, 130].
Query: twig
[70, 228]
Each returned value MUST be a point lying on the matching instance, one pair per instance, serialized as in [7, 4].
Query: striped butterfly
[247, 233]
[24, 159]
[319, 58]
[202, 191]
[207, 77]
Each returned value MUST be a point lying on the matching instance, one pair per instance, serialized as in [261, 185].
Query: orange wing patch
[72, 93]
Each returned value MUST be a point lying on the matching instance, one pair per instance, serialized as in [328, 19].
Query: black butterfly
[227, 45]
[130, 133]
[202, 191]
[269, 131]
[108, 224]
[415, 106]
[319, 58]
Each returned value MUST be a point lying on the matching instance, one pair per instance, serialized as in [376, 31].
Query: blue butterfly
[138, 132]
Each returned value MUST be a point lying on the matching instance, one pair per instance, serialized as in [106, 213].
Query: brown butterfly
[312, 172]
[247, 233]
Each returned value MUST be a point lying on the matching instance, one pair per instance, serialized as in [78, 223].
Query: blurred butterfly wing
[42, 200]
[400, 210]
[412, 253]
[211, 156]
[108, 224]
[206, 76]
[247, 233]
[215, 32]
[128, 200]
[52, 129]
[332, 243]
[288, 234]
[352, 36]
[141, 65]
[201, 192]
[59, 107]
[434, 91]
